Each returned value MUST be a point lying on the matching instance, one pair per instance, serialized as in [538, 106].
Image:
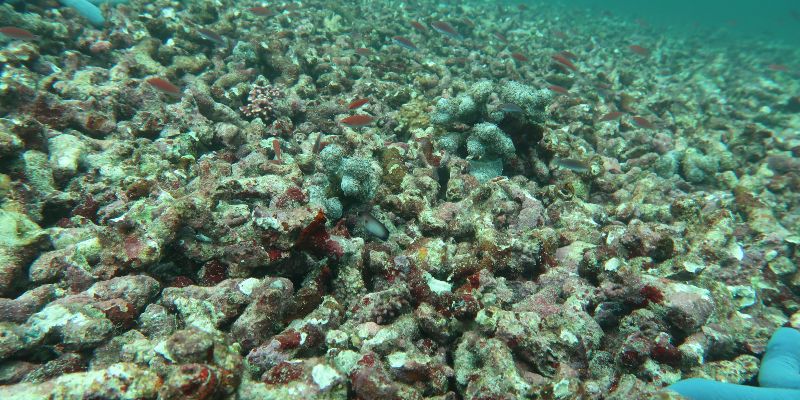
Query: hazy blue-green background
[768, 19]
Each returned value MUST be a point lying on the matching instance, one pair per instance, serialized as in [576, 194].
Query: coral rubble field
[384, 200]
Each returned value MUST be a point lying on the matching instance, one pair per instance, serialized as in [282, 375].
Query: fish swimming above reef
[419, 27]
[404, 42]
[519, 57]
[363, 51]
[639, 50]
[446, 29]
[210, 35]
[642, 122]
[15, 33]
[510, 108]
[164, 86]
[561, 60]
[357, 120]
[357, 103]
[262, 11]
[558, 89]
[611, 116]
[572, 164]
[373, 226]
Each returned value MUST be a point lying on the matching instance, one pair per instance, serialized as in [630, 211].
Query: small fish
[642, 122]
[560, 34]
[446, 29]
[419, 27]
[569, 55]
[357, 103]
[456, 61]
[276, 147]
[373, 226]
[510, 108]
[468, 22]
[639, 50]
[357, 120]
[363, 51]
[317, 145]
[558, 89]
[572, 165]
[404, 42]
[777, 68]
[519, 57]
[501, 37]
[783, 164]
[443, 177]
[611, 116]
[208, 34]
[164, 86]
[262, 11]
[17, 33]
[564, 61]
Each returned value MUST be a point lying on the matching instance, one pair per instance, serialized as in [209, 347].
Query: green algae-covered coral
[360, 178]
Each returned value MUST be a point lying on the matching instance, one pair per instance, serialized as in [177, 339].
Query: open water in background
[762, 19]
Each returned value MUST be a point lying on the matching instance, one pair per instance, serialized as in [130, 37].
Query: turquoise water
[771, 20]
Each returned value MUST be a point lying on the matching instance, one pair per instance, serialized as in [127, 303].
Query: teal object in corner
[705, 389]
[779, 375]
[86, 9]
[780, 367]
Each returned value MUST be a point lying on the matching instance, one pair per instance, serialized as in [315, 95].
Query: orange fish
[276, 147]
[357, 120]
[446, 29]
[639, 50]
[568, 54]
[611, 116]
[642, 122]
[563, 61]
[519, 57]
[421, 28]
[17, 33]
[363, 51]
[558, 89]
[261, 11]
[211, 35]
[164, 85]
[404, 42]
[357, 103]
[777, 67]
